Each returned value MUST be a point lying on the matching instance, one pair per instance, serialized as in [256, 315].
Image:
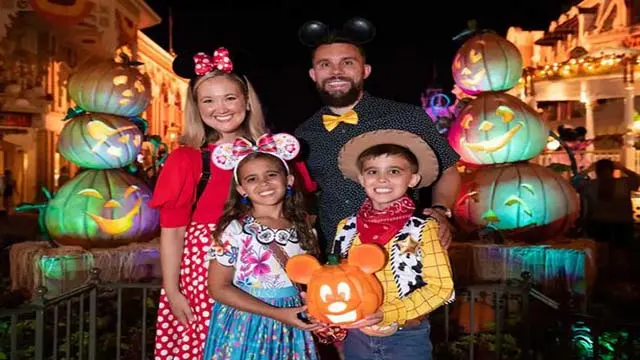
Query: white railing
[584, 158]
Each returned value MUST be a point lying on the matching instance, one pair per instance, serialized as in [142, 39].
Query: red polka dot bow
[206, 64]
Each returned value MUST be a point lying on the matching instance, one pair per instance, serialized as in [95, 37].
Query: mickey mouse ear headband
[356, 30]
[227, 156]
[201, 63]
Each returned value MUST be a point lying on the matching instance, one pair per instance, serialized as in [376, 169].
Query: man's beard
[339, 100]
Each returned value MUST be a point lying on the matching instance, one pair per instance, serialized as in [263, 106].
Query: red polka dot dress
[174, 196]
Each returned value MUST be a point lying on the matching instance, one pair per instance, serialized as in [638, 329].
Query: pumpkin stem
[333, 259]
[126, 60]
[73, 112]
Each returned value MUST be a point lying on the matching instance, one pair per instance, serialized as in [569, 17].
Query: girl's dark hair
[293, 209]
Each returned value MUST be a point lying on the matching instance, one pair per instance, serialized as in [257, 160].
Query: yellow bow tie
[331, 121]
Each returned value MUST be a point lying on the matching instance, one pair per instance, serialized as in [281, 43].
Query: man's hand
[445, 229]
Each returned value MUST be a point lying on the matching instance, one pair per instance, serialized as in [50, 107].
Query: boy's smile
[386, 179]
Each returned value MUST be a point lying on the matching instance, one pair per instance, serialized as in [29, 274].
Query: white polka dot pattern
[173, 340]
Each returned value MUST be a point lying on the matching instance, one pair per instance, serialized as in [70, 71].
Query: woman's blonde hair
[196, 133]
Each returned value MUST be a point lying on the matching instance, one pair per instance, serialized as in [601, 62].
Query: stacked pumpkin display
[500, 134]
[103, 206]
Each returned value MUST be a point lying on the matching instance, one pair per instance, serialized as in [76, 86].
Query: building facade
[41, 43]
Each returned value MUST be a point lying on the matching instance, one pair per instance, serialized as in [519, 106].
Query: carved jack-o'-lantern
[524, 200]
[497, 128]
[102, 208]
[487, 62]
[100, 141]
[111, 87]
[341, 293]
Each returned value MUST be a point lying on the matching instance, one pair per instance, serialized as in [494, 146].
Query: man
[339, 69]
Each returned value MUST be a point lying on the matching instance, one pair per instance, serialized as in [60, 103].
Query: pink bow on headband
[206, 64]
[243, 147]
[227, 156]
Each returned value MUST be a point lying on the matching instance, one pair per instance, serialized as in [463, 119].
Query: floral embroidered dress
[235, 334]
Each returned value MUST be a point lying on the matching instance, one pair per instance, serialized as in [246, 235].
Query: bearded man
[339, 69]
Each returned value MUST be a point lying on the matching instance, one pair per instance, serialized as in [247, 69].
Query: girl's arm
[222, 290]
[171, 245]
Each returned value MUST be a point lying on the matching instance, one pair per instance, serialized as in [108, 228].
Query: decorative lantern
[341, 292]
[523, 199]
[497, 128]
[100, 141]
[102, 208]
[487, 62]
[111, 87]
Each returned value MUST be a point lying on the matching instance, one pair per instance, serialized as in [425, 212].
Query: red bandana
[380, 226]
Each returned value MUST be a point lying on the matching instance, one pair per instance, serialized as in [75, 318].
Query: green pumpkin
[100, 141]
[102, 208]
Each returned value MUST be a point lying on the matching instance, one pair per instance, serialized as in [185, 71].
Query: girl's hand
[180, 307]
[289, 316]
[369, 320]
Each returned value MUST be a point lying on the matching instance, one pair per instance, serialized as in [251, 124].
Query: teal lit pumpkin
[523, 200]
[497, 128]
[100, 141]
[102, 209]
[111, 87]
[487, 62]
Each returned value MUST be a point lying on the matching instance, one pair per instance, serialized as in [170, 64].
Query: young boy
[417, 278]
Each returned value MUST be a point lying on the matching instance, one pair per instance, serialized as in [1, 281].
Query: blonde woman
[190, 194]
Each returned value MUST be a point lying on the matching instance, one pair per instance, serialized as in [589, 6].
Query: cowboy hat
[428, 165]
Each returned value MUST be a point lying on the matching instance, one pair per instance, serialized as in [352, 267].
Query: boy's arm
[436, 273]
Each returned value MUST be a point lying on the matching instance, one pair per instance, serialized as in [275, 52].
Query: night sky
[413, 48]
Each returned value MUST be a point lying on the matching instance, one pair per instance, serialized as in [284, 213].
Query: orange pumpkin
[341, 292]
[484, 316]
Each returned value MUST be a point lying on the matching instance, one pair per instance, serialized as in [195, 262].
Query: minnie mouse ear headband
[227, 156]
[357, 31]
[189, 67]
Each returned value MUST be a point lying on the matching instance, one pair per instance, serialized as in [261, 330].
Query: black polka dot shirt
[341, 197]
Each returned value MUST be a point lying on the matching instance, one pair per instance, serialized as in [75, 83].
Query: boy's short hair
[388, 150]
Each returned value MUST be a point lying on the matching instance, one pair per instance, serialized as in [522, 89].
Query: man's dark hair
[335, 39]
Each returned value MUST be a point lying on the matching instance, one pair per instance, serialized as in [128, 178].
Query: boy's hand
[369, 320]
[444, 227]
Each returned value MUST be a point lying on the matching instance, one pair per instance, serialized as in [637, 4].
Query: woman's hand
[369, 320]
[289, 316]
[180, 307]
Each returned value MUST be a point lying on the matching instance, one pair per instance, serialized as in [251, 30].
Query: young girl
[255, 314]
[190, 193]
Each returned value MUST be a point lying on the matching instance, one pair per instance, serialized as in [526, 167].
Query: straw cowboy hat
[428, 165]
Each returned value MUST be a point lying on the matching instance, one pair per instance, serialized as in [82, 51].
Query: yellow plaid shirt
[436, 273]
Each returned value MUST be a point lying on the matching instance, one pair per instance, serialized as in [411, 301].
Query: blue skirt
[239, 335]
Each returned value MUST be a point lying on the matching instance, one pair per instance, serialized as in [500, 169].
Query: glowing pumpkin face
[341, 293]
[525, 200]
[110, 87]
[102, 208]
[487, 62]
[100, 141]
[497, 128]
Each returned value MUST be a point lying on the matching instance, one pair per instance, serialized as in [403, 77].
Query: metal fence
[117, 321]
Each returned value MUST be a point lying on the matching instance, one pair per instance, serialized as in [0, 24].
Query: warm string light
[584, 67]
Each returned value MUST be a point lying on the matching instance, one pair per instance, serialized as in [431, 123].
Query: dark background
[413, 48]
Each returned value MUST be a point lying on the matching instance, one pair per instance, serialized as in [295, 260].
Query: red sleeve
[303, 176]
[174, 193]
